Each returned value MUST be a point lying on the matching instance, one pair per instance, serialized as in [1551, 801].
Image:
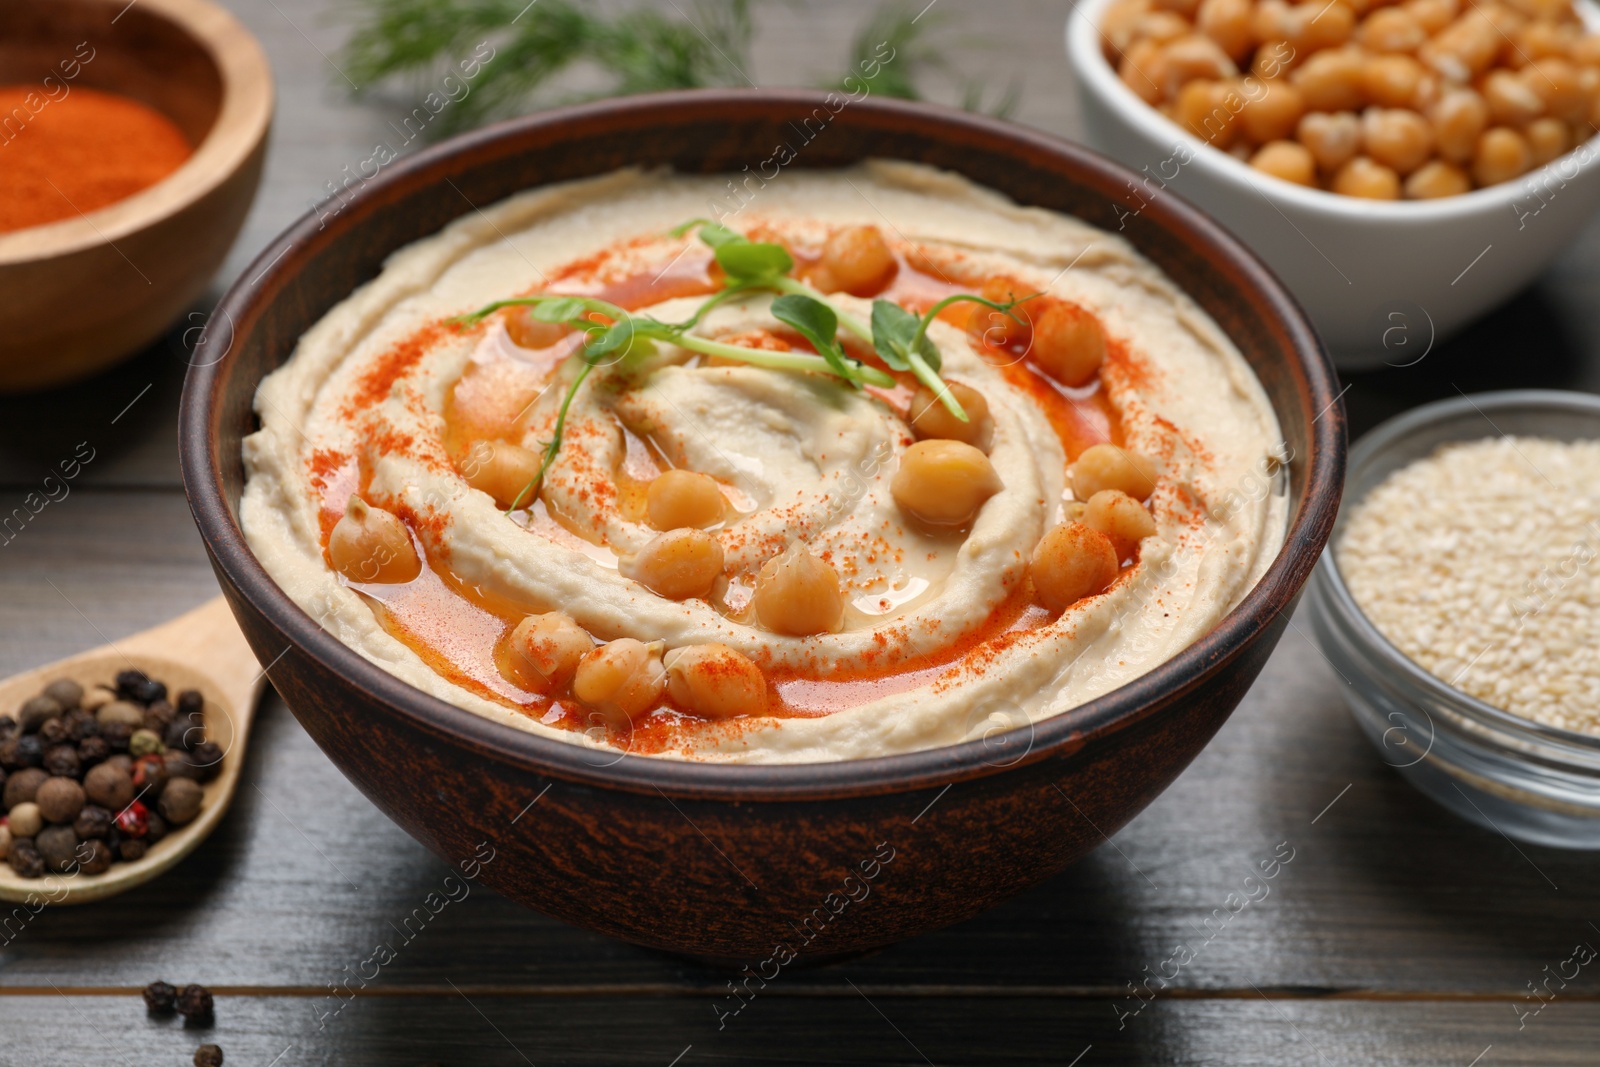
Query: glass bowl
[1526, 780]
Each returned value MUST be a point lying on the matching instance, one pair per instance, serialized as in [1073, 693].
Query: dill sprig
[635, 51]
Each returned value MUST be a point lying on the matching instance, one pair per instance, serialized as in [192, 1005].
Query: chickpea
[1464, 49]
[1274, 115]
[1538, 40]
[1123, 520]
[1274, 60]
[1201, 108]
[1435, 179]
[1557, 84]
[1393, 80]
[1184, 9]
[677, 499]
[715, 681]
[1433, 15]
[1512, 102]
[1287, 160]
[1227, 22]
[857, 260]
[503, 470]
[1459, 119]
[1271, 21]
[1332, 80]
[1391, 29]
[369, 544]
[1501, 155]
[798, 594]
[1585, 50]
[1140, 69]
[1333, 140]
[930, 419]
[1102, 467]
[1120, 23]
[529, 332]
[1396, 138]
[1194, 57]
[678, 564]
[623, 678]
[542, 651]
[1548, 139]
[1071, 562]
[1322, 25]
[1366, 178]
[943, 483]
[997, 329]
[1069, 344]
[1163, 26]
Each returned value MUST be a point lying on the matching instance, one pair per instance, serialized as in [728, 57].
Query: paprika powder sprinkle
[82, 152]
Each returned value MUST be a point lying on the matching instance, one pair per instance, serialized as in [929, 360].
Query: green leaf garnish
[897, 335]
[748, 262]
[817, 323]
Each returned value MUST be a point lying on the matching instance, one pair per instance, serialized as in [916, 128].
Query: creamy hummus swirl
[806, 459]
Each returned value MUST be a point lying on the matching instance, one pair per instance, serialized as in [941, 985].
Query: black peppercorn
[53, 732]
[194, 1004]
[155, 828]
[208, 1056]
[94, 857]
[184, 732]
[139, 688]
[21, 750]
[178, 765]
[81, 724]
[207, 760]
[58, 845]
[160, 998]
[25, 859]
[159, 716]
[8, 726]
[116, 735]
[190, 702]
[92, 822]
[132, 848]
[92, 750]
[62, 761]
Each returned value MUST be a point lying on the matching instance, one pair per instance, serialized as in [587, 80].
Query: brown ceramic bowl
[86, 291]
[732, 862]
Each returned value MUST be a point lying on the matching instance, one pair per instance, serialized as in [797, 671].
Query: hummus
[943, 637]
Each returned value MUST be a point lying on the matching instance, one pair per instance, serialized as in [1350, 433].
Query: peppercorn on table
[1387, 931]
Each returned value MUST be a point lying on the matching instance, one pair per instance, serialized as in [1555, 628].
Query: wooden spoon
[201, 650]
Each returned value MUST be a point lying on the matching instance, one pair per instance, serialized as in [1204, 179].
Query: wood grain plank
[853, 1027]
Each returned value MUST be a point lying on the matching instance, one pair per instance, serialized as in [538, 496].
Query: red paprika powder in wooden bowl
[131, 144]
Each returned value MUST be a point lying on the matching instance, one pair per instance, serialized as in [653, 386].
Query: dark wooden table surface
[1396, 935]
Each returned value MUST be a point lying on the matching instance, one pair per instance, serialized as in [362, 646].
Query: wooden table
[1396, 934]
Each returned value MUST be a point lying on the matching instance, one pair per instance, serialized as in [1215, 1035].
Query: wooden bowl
[85, 292]
[751, 863]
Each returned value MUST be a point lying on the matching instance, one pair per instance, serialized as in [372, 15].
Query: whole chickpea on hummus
[880, 463]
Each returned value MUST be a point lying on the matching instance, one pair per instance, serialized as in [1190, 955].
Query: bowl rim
[1372, 445]
[1096, 75]
[241, 125]
[1278, 589]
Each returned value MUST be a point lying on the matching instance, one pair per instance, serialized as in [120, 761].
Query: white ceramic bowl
[1382, 281]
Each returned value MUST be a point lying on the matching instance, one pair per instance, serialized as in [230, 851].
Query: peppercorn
[207, 760]
[25, 820]
[186, 731]
[92, 750]
[92, 822]
[160, 998]
[81, 724]
[132, 849]
[190, 702]
[5, 840]
[144, 742]
[208, 1056]
[25, 859]
[195, 1004]
[94, 857]
[179, 765]
[60, 800]
[65, 691]
[109, 786]
[59, 846]
[159, 716]
[155, 828]
[22, 786]
[180, 801]
[62, 761]
[8, 726]
[53, 732]
[149, 776]
[35, 710]
[136, 686]
[116, 735]
[121, 711]
[97, 698]
[21, 750]
[133, 820]
[122, 762]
